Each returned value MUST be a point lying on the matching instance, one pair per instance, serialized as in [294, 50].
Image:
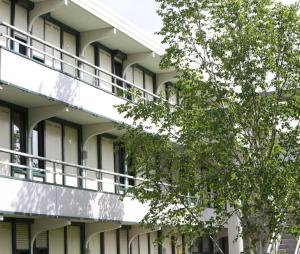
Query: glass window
[18, 142]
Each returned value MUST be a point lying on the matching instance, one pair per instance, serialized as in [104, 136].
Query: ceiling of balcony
[87, 15]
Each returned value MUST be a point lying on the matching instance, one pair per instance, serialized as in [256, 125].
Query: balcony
[31, 64]
[40, 186]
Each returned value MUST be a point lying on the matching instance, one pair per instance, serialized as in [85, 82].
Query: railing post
[53, 56]
[54, 172]
[29, 173]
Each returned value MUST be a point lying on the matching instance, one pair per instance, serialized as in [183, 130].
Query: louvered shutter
[22, 236]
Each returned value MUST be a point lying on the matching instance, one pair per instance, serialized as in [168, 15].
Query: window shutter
[22, 236]
[41, 240]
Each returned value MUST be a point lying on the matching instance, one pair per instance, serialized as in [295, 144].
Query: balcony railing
[15, 39]
[20, 165]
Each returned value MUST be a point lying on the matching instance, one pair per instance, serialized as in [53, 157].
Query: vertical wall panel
[38, 31]
[153, 246]
[52, 36]
[21, 23]
[53, 149]
[123, 242]
[138, 77]
[4, 139]
[21, 18]
[135, 246]
[4, 16]
[73, 240]
[71, 155]
[167, 247]
[129, 74]
[149, 85]
[144, 244]
[56, 241]
[172, 95]
[105, 63]
[69, 45]
[5, 237]
[89, 56]
[92, 161]
[108, 164]
[94, 244]
[162, 91]
[110, 242]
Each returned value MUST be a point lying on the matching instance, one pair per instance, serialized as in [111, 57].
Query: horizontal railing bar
[64, 174]
[76, 58]
[3, 150]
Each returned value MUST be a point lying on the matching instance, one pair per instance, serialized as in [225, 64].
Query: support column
[162, 78]
[136, 230]
[44, 7]
[45, 224]
[91, 36]
[91, 130]
[92, 229]
[35, 115]
[136, 58]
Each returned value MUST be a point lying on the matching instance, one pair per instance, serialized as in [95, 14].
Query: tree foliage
[235, 132]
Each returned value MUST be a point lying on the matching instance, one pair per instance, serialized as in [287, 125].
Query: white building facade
[64, 65]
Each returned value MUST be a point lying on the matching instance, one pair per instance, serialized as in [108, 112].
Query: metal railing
[297, 250]
[98, 77]
[25, 166]
[19, 165]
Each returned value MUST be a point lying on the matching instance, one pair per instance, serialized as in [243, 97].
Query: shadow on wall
[65, 88]
[52, 200]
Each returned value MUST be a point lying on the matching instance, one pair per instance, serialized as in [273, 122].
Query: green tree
[235, 133]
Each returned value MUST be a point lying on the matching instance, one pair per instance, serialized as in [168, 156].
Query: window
[18, 142]
[21, 48]
[122, 165]
[118, 71]
[38, 150]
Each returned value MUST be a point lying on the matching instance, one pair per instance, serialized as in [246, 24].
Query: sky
[142, 13]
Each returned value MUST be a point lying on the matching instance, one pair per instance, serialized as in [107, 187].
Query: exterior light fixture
[67, 109]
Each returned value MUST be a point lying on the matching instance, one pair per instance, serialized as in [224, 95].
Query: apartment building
[64, 64]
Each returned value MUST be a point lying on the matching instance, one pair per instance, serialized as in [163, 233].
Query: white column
[235, 245]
